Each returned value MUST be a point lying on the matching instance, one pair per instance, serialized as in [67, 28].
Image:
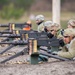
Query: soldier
[40, 22]
[59, 32]
[68, 50]
[49, 28]
[52, 29]
[71, 24]
[27, 26]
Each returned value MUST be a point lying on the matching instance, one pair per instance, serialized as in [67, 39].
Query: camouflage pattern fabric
[41, 27]
[69, 50]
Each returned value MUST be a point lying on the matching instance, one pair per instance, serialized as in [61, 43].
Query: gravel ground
[52, 67]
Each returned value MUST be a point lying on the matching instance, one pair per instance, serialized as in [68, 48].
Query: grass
[65, 16]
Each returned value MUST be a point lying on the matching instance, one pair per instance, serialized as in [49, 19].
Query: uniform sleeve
[59, 35]
[65, 54]
[41, 28]
[70, 53]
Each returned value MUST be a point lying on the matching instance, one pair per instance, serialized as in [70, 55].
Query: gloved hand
[54, 53]
[45, 29]
[50, 35]
[61, 42]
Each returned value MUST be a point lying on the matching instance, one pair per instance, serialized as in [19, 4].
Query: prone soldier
[68, 50]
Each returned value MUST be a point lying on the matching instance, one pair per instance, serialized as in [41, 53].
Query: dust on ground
[52, 67]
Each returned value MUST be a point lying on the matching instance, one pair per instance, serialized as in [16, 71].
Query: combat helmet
[71, 22]
[69, 32]
[40, 17]
[49, 25]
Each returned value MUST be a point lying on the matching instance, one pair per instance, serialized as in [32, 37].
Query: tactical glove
[50, 35]
[61, 42]
[45, 29]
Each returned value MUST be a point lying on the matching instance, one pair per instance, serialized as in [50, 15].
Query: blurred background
[19, 11]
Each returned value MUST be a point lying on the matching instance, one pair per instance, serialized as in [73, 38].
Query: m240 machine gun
[24, 36]
[12, 27]
[37, 39]
[33, 52]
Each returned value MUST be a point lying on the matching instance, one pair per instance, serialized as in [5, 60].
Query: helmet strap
[39, 22]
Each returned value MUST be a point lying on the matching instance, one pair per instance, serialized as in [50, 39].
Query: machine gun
[5, 32]
[13, 28]
[13, 25]
[41, 37]
[12, 44]
[16, 24]
[42, 40]
[30, 34]
[11, 35]
[33, 52]
[4, 25]
[15, 42]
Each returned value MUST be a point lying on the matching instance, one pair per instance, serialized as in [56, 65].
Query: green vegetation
[14, 8]
[10, 12]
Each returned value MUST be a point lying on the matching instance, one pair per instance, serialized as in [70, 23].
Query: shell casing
[13, 26]
[17, 32]
[26, 36]
[34, 46]
[30, 47]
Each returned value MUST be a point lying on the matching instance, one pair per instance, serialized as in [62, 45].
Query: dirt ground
[52, 67]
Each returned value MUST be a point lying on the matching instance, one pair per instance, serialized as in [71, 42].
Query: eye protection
[66, 36]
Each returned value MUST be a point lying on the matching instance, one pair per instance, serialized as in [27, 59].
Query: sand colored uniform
[68, 51]
[41, 27]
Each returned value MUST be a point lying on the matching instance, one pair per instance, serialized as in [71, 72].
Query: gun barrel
[5, 32]
[15, 43]
[7, 49]
[14, 56]
[4, 25]
[11, 36]
[5, 40]
[20, 23]
[54, 56]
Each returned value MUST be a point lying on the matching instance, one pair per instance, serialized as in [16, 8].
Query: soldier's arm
[41, 28]
[65, 54]
[70, 53]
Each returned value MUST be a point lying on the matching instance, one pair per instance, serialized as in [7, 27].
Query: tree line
[16, 8]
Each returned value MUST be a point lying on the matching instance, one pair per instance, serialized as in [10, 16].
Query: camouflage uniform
[68, 51]
[43, 57]
[41, 27]
[58, 31]
[56, 28]
[48, 25]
